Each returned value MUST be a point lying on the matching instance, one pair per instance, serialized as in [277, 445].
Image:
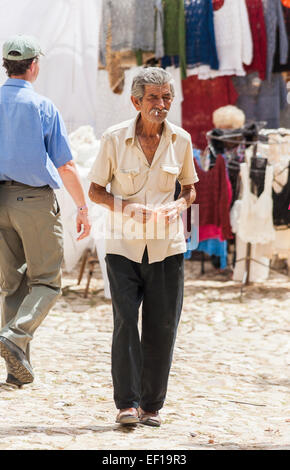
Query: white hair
[151, 76]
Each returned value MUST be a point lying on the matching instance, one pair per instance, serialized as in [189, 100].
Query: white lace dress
[252, 222]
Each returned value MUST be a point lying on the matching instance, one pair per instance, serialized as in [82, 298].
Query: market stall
[220, 53]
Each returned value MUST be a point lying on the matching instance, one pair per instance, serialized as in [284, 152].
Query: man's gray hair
[151, 76]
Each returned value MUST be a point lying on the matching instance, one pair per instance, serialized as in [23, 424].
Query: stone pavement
[229, 385]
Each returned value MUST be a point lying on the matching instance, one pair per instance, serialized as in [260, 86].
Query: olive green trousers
[31, 254]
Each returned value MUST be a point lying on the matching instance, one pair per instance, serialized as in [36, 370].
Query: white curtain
[68, 31]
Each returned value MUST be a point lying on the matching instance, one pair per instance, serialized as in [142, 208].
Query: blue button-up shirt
[33, 137]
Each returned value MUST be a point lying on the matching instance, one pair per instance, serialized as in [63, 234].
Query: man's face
[155, 103]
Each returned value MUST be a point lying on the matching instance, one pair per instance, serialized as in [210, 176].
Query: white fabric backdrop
[68, 31]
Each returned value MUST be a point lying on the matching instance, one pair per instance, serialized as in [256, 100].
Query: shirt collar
[18, 83]
[131, 131]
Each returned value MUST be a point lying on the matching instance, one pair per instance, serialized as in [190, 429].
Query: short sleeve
[188, 173]
[56, 140]
[102, 170]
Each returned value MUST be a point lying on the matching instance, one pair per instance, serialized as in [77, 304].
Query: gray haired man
[142, 159]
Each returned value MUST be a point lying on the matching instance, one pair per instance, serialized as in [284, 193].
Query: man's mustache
[156, 111]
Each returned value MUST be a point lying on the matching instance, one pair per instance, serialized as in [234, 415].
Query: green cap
[27, 47]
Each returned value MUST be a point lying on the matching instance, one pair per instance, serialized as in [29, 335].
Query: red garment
[259, 34]
[201, 99]
[217, 4]
[212, 231]
[213, 197]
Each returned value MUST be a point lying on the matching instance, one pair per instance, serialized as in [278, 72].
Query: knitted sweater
[200, 37]
[135, 25]
[174, 31]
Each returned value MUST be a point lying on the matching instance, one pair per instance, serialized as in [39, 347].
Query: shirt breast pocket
[168, 176]
[130, 180]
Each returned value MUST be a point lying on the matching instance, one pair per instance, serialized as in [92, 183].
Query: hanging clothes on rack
[174, 35]
[136, 26]
[200, 35]
[274, 20]
[210, 239]
[259, 35]
[233, 39]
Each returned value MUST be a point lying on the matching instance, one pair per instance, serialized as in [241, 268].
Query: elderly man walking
[34, 158]
[142, 159]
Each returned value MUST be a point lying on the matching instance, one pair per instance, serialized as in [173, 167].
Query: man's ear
[136, 103]
[32, 66]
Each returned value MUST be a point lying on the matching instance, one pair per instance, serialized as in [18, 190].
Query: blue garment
[200, 36]
[212, 246]
[33, 137]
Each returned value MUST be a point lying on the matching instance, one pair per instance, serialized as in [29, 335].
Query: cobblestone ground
[229, 385]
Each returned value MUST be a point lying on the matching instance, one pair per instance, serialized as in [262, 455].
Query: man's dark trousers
[140, 368]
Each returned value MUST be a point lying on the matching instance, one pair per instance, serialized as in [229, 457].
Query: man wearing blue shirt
[35, 158]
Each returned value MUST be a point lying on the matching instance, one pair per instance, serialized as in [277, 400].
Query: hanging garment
[215, 247]
[233, 39]
[136, 25]
[213, 197]
[174, 35]
[252, 216]
[259, 35]
[200, 36]
[281, 213]
[211, 231]
[68, 31]
[261, 100]
[201, 99]
[278, 67]
[274, 20]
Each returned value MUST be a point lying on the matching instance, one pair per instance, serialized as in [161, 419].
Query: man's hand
[171, 211]
[83, 225]
[138, 212]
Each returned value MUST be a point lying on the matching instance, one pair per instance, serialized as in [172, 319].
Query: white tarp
[68, 31]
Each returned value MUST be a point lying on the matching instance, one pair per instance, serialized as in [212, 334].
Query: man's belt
[16, 183]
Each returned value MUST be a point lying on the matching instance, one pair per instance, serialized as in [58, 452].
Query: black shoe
[18, 363]
[11, 380]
